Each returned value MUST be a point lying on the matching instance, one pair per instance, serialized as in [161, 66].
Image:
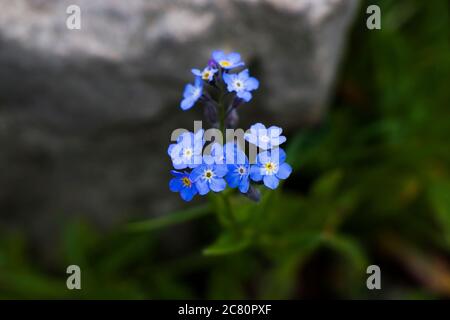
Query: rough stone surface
[86, 115]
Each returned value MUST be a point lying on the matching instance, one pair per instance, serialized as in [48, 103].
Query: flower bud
[213, 64]
[232, 119]
[253, 194]
[237, 102]
[210, 112]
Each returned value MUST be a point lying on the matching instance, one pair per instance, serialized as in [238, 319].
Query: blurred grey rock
[86, 115]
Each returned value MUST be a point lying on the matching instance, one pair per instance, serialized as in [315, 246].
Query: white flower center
[238, 84]
[197, 92]
[264, 138]
[208, 175]
[241, 170]
[270, 168]
[187, 153]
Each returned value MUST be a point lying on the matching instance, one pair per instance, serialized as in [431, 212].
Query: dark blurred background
[86, 116]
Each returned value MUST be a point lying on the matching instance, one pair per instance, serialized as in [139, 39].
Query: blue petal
[284, 171]
[244, 95]
[175, 185]
[233, 179]
[177, 173]
[182, 135]
[188, 90]
[274, 131]
[271, 182]
[241, 158]
[228, 79]
[217, 152]
[186, 140]
[276, 141]
[234, 57]
[196, 173]
[202, 187]
[255, 173]
[221, 170]
[276, 155]
[218, 55]
[198, 82]
[263, 157]
[196, 161]
[243, 75]
[281, 154]
[229, 151]
[208, 159]
[199, 141]
[187, 103]
[217, 184]
[257, 127]
[179, 166]
[251, 84]
[244, 185]
[250, 137]
[188, 193]
[196, 72]
[170, 149]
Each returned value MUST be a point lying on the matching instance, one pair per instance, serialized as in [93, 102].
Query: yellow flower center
[225, 63]
[186, 182]
[208, 174]
[206, 75]
[270, 167]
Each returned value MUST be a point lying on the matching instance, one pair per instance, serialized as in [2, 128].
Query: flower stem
[229, 212]
[225, 196]
[222, 112]
[222, 121]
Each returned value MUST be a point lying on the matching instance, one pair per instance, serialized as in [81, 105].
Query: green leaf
[170, 219]
[78, 240]
[349, 248]
[327, 184]
[227, 243]
[439, 197]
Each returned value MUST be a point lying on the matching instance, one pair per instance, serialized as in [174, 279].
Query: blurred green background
[370, 186]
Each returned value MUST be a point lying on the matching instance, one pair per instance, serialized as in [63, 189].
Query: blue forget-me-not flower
[187, 152]
[183, 184]
[209, 177]
[206, 74]
[227, 61]
[221, 87]
[241, 83]
[192, 92]
[270, 168]
[238, 168]
[265, 138]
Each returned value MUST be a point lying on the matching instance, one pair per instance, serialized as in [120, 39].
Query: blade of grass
[170, 219]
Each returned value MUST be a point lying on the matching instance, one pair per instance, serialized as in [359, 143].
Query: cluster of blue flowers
[199, 172]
